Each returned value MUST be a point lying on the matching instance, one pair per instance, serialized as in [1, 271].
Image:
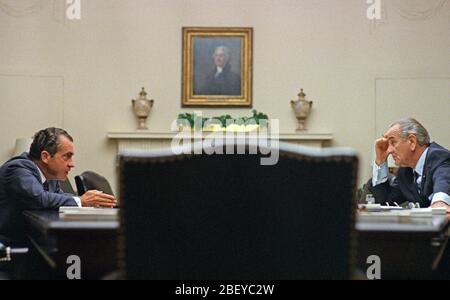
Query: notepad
[396, 215]
[429, 211]
[78, 213]
[379, 207]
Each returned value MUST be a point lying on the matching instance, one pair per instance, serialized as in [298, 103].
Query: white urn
[302, 109]
[142, 107]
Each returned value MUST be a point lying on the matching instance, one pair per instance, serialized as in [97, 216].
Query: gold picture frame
[217, 66]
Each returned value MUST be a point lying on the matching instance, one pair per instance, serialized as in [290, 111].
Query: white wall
[81, 75]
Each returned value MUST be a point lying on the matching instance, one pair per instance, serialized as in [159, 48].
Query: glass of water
[370, 199]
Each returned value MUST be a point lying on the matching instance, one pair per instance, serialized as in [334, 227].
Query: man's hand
[381, 147]
[441, 204]
[94, 198]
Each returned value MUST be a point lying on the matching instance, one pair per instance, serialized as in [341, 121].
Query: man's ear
[412, 141]
[45, 156]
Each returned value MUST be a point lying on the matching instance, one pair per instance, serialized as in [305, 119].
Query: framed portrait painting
[217, 66]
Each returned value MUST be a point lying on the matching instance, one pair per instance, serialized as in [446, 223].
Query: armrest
[6, 253]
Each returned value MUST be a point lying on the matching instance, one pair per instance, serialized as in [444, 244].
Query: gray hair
[224, 49]
[412, 126]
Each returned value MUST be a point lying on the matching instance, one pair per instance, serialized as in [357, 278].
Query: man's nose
[390, 149]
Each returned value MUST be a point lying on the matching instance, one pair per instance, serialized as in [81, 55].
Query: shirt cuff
[440, 197]
[77, 200]
[379, 173]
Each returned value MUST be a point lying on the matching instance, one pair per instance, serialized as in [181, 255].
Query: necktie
[416, 181]
[45, 184]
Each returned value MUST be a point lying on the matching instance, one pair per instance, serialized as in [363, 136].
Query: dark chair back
[92, 181]
[229, 217]
[66, 187]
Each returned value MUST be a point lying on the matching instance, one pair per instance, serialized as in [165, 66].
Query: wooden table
[409, 248]
[55, 239]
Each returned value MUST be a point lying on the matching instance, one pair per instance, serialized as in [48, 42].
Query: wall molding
[394, 78]
[408, 11]
[28, 8]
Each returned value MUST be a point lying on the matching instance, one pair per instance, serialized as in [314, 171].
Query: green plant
[224, 120]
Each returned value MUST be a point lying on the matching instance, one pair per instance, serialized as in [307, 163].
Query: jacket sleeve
[388, 191]
[23, 183]
[441, 179]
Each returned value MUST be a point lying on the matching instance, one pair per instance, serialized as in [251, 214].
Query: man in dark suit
[424, 168]
[31, 182]
[222, 81]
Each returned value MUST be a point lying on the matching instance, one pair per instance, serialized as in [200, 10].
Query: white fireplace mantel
[146, 140]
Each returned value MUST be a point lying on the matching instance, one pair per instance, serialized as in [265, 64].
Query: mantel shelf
[146, 135]
[146, 140]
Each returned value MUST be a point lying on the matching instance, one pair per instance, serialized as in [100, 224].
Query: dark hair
[47, 140]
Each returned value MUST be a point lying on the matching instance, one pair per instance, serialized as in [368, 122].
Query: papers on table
[378, 207]
[88, 213]
[397, 214]
[418, 211]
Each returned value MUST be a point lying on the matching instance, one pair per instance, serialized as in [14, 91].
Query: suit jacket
[435, 178]
[226, 83]
[21, 189]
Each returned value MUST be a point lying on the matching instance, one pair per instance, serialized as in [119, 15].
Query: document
[90, 213]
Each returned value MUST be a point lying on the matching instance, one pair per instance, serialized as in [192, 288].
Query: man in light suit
[31, 182]
[424, 168]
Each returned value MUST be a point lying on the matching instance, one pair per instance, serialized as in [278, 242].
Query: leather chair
[227, 217]
[90, 180]
[66, 187]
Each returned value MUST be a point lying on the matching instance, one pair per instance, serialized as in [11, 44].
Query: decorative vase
[302, 109]
[142, 107]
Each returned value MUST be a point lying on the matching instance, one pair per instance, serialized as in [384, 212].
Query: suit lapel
[425, 171]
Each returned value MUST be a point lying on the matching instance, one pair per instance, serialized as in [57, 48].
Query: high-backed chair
[229, 217]
[90, 180]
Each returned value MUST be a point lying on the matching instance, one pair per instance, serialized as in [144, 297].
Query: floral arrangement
[192, 121]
